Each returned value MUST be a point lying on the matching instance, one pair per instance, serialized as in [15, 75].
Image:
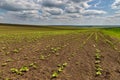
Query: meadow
[59, 53]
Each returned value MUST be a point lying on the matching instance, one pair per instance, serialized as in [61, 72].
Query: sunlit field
[59, 53]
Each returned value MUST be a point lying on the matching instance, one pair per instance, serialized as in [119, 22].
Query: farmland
[59, 53]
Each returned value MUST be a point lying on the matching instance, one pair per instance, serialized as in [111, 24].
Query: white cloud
[85, 5]
[22, 15]
[75, 15]
[78, 1]
[117, 12]
[72, 8]
[115, 16]
[17, 5]
[93, 12]
[1, 17]
[116, 4]
[50, 11]
[53, 11]
[95, 5]
[53, 3]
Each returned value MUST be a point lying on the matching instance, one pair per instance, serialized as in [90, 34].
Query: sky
[60, 12]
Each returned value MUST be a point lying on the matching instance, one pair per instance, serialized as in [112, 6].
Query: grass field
[59, 53]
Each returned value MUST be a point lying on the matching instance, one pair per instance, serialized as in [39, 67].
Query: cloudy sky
[60, 12]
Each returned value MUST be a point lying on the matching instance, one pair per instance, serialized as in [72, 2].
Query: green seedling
[54, 50]
[42, 57]
[8, 79]
[24, 69]
[98, 73]
[98, 51]
[14, 70]
[64, 64]
[4, 64]
[4, 48]
[60, 69]
[9, 60]
[15, 51]
[98, 69]
[97, 61]
[55, 75]
[97, 56]
[33, 65]
[19, 71]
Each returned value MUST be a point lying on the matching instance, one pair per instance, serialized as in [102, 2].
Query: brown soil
[77, 50]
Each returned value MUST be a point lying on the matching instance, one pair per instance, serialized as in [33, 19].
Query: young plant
[98, 73]
[98, 68]
[98, 51]
[42, 57]
[55, 75]
[15, 51]
[14, 70]
[97, 61]
[59, 70]
[4, 48]
[24, 69]
[55, 49]
[33, 65]
[4, 64]
[19, 71]
[7, 79]
[97, 56]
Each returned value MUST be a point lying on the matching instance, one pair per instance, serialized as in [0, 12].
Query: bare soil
[77, 50]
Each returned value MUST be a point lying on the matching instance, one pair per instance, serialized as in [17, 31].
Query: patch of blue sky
[102, 5]
[2, 11]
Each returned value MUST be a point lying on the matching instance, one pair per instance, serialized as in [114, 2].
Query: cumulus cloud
[97, 4]
[116, 4]
[93, 12]
[1, 17]
[23, 15]
[17, 5]
[40, 10]
[117, 12]
[77, 1]
[75, 15]
[72, 8]
[115, 16]
[53, 3]
[85, 5]
[54, 11]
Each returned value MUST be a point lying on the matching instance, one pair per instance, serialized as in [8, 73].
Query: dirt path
[76, 50]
